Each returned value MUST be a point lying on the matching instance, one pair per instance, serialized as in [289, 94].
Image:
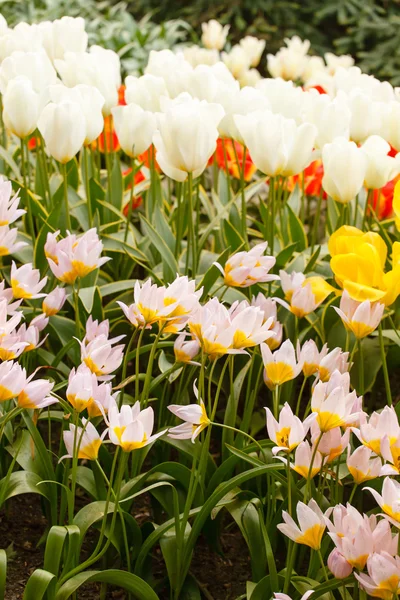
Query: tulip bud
[345, 167]
[63, 127]
[338, 565]
[214, 35]
[134, 127]
[54, 301]
[20, 107]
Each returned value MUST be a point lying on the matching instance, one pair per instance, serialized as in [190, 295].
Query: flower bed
[199, 321]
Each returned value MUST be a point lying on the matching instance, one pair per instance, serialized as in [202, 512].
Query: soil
[22, 525]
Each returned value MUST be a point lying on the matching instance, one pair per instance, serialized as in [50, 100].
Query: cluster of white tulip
[51, 81]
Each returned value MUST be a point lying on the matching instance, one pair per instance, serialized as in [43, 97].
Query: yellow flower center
[327, 420]
[282, 437]
[312, 536]
[389, 511]
[5, 393]
[24, 401]
[279, 372]
[92, 366]
[90, 451]
[18, 291]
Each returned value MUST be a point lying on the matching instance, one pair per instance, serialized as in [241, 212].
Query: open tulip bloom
[199, 311]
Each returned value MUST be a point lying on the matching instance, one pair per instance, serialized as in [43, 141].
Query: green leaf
[285, 255]
[311, 263]
[39, 584]
[297, 233]
[372, 360]
[127, 581]
[6, 156]
[56, 540]
[3, 573]
[22, 482]
[232, 408]
[170, 266]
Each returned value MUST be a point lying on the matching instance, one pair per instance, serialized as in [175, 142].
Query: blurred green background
[367, 29]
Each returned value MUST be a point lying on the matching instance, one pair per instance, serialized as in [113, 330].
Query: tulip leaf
[170, 266]
[3, 573]
[6, 156]
[285, 255]
[212, 274]
[127, 581]
[232, 407]
[296, 229]
[41, 584]
[55, 543]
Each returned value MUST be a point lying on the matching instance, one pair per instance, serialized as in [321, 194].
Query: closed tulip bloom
[35, 394]
[302, 461]
[383, 579]
[172, 68]
[26, 282]
[238, 102]
[186, 137]
[254, 48]
[362, 466]
[338, 565]
[214, 34]
[134, 127]
[345, 168]
[248, 268]
[90, 101]
[36, 66]
[21, 107]
[331, 117]
[276, 144]
[310, 356]
[381, 167]
[361, 318]
[185, 350]
[12, 380]
[53, 302]
[82, 386]
[377, 427]
[64, 35]
[145, 91]
[288, 432]
[63, 127]
[130, 427]
[311, 525]
[196, 420]
[88, 438]
[281, 366]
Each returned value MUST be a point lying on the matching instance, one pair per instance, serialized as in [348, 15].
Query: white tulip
[91, 102]
[289, 63]
[237, 61]
[36, 66]
[23, 38]
[366, 114]
[21, 107]
[145, 91]
[277, 145]
[254, 48]
[195, 55]
[214, 34]
[63, 35]
[284, 97]
[241, 102]
[345, 168]
[331, 117]
[353, 79]
[63, 127]
[381, 167]
[186, 136]
[98, 67]
[249, 78]
[173, 68]
[333, 62]
[134, 127]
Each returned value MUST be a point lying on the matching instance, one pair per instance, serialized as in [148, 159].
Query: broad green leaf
[40, 584]
[170, 266]
[131, 583]
[212, 274]
[296, 229]
[3, 574]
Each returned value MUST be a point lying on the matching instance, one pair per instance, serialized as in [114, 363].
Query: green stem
[384, 367]
[137, 383]
[307, 492]
[323, 565]
[125, 367]
[131, 196]
[314, 234]
[275, 398]
[353, 491]
[298, 405]
[26, 190]
[190, 249]
[254, 441]
[66, 203]
[87, 185]
[272, 208]
[149, 369]
[361, 366]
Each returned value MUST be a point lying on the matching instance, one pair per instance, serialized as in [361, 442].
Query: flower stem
[384, 367]
[131, 196]
[66, 203]
[26, 190]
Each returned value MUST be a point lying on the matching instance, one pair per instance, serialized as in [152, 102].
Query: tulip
[237, 60]
[186, 137]
[81, 390]
[72, 256]
[361, 318]
[248, 268]
[12, 380]
[185, 351]
[333, 408]
[35, 66]
[248, 327]
[381, 168]
[9, 211]
[310, 356]
[331, 117]
[35, 394]
[338, 565]
[238, 102]
[389, 501]
[103, 399]
[366, 114]
[254, 48]
[145, 91]
[290, 62]
[249, 78]
[383, 579]
[288, 432]
[134, 127]
[172, 68]
[332, 443]
[390, 451]
[335, 360]
[281, 366]
[379, 425]
[277, 145]
[90, 101]
[302, 461]
[362, 466]
[64, 35]
[63, 127]
[345, 168]
[195, 55]
[311, 525]
[102, 357]
[214, 34]
[196, 420]
[53, 302]
[88, 438]
[94, 329]
[130, 427]
[26, 282]
[20, 107]
[334, 62]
